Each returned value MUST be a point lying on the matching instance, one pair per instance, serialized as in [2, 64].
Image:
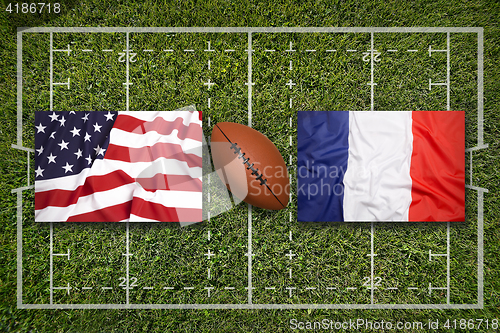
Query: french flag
[381, 166]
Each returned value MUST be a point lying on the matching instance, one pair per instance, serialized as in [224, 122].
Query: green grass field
[327, 255]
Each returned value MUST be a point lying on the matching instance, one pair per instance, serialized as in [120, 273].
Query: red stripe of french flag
[438, 166]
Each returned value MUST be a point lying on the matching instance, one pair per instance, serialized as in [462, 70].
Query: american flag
[118, 166]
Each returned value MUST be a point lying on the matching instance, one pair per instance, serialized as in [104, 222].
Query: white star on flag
[63, 145]
[39, 172]
[75, 131]
[109, 116]
[53, 116]
[97, 128]
[40, 128]
[62, 121]
[78, 153]
[52, 158]
[67, 167]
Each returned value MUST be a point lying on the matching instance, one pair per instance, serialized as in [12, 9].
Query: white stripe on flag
[377, 184]
[135, 140]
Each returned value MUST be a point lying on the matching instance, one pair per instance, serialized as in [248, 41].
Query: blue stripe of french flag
[381, 166]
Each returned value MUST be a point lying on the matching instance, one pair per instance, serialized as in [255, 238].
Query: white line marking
[209, 84]
[372, 259]
[168, 288]
[229, 50]
[208, 289]
[209, 254]
[249, 238]
[470, 168]
[290, 140]
[209, 49]
[476, 188]
[290, 160]
[372, 84]
[351, 288]
[86, 288]
[436, 255]
[188, 288]
[331, 50]
[290, 235]
[290, 290]
[209, 100]
[229, 288]
[188, 50]
[290, 272]
[431, 50]
[311, 50]
[209, 63]
[411, 50]
[127, 83]
[148, 50]
[354, 50]
[412, 288]
[290, 65]
[270, 288]
[331, 288]
[168, 50]
[448, 258]
[448, 72]
[290, 102]
[391, 288]
[311, 288]
[290, 49]
[107, 50]
[209, 276]
[392, 50]
[269, 50]
[86, 50]
[107, 288]
[290, 255]
[51, 249]
[147, 288]
[68, 50]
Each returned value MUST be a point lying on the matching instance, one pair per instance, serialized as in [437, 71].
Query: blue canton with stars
[66, 142]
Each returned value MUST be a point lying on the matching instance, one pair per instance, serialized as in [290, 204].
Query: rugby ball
[250, 165]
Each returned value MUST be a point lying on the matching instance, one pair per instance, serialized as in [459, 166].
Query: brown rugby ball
[250, 165]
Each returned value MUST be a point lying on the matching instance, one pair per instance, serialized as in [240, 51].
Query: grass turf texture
[327, 254]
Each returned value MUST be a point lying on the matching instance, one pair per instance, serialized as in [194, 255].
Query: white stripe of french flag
[381, 166]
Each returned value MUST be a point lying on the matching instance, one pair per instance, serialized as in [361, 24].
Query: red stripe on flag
[155, 211]
[114, 213]
[93, 184]
[170, 182]
[161, 126]
[438, 166]
[151, 153]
